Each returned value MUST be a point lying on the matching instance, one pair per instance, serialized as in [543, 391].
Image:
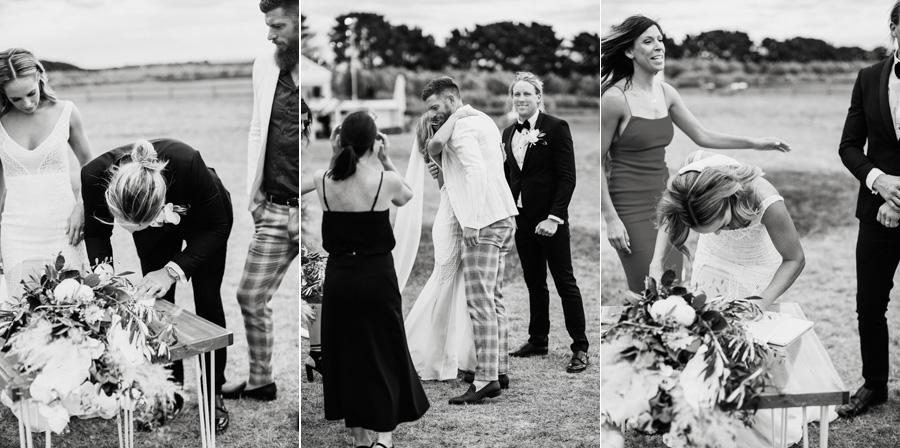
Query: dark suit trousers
[877, 256]
[537, 253]
[156, 247]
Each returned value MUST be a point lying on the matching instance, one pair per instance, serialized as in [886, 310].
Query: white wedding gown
[740, 263]
[438, 328]
[39, 200]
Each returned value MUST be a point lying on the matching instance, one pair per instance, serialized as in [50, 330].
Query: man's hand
[154, 285]
[470, 236]
[547, 227]
[888, 216]
[889, 188]
[433, 169]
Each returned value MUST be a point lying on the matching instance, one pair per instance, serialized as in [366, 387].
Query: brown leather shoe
[862, 401]
[578, 363]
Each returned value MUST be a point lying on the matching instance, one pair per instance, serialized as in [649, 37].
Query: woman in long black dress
[368, 377]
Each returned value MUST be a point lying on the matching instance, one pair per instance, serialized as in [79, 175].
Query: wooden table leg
[823, 427]
[774, 441]
[805, 429]
[211, 389]
[784, 423]
[201, 397]
[22, 442]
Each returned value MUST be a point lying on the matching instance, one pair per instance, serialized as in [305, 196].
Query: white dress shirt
[894, 102]
[520, 148]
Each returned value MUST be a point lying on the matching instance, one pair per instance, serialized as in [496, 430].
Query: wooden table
[196, 336]
[806, 378]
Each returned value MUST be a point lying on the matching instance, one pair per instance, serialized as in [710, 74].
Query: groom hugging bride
[459, 320]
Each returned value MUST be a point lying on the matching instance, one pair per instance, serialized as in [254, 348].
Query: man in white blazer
[273, 175]
[482, 203]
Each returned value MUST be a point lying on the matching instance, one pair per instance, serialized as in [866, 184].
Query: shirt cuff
[870, 178]
[557, 219]
[181, 277]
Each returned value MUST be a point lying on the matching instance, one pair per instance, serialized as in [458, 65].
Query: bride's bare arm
[82, 148]
[784, 236]
[442, 136]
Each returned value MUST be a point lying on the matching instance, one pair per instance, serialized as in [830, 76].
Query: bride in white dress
[438, 328]
[747, 247]
[42, 211]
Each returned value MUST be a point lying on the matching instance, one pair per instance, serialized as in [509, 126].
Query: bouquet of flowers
[81, 346]
[313, 275]
[679, 365]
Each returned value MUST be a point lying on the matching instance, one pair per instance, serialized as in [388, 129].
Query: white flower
[104, 271]
[170, 214]
[701, 392]
[71, 291]
[673, 308]
[93, 314]
[533, 136]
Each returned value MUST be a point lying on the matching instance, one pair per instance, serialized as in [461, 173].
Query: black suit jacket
[546, 180]
[869, 121]
[206, 225]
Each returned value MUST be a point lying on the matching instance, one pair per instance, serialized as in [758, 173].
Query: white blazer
[265, 80]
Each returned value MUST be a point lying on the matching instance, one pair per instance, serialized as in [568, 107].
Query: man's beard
[288, 57]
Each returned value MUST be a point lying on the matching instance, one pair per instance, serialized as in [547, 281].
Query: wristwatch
[173, 274]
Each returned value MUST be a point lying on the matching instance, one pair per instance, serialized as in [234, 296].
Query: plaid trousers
[483, 266]
[275, 244]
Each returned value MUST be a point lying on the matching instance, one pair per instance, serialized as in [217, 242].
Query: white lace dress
[39, 200]
[438, 328]
[740, 263]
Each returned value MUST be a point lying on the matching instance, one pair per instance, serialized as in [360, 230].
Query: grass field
[544, 406]
[218, 128]
[820, 194]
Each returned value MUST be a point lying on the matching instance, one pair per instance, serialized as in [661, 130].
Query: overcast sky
[862, 23]
[438, 17]
[110, 33]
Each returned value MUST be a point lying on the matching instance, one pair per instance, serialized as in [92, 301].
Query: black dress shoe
[578, 363]
[862, 401]
[529, 349]
[473, 396]
[503, 379]
[265, 393]
[222, 418]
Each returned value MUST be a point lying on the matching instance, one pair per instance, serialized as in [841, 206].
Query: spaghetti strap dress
[368, 379]
[637, 179]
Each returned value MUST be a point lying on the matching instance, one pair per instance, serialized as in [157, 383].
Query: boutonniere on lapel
[534, 137]
[170, 214]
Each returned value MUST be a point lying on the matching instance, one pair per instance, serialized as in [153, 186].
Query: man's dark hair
[439, 86]
[289, 5]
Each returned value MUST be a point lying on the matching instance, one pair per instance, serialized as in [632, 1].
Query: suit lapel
[884, 100]
[507, 146]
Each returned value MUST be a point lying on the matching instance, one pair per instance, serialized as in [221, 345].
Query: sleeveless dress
[740, 263]
[368, 378]
[39, 200]
[637, 179]
[438, 327]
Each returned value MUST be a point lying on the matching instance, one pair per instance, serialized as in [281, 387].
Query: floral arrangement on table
[82, 346]
[313, 275]
[683, 366]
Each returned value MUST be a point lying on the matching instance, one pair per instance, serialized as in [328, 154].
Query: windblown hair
[357, 137]
[137, 189]
[424, 132]
[16, 63]
[440, 86]
[615, 65]
[532, 79]
[268, 5]
[694, 199]
[895, 13]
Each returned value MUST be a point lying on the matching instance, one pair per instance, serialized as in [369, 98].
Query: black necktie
[524, 125]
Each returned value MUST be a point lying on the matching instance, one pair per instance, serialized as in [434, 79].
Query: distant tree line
[501, 46]
[737, 46]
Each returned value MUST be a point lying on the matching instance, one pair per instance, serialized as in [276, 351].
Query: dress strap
[626, 99]
[377, 192]
[764, 205]
[325, 198]
[665, 97]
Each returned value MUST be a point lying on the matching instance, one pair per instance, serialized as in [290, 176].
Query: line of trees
[507, 46]
[737, 46]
